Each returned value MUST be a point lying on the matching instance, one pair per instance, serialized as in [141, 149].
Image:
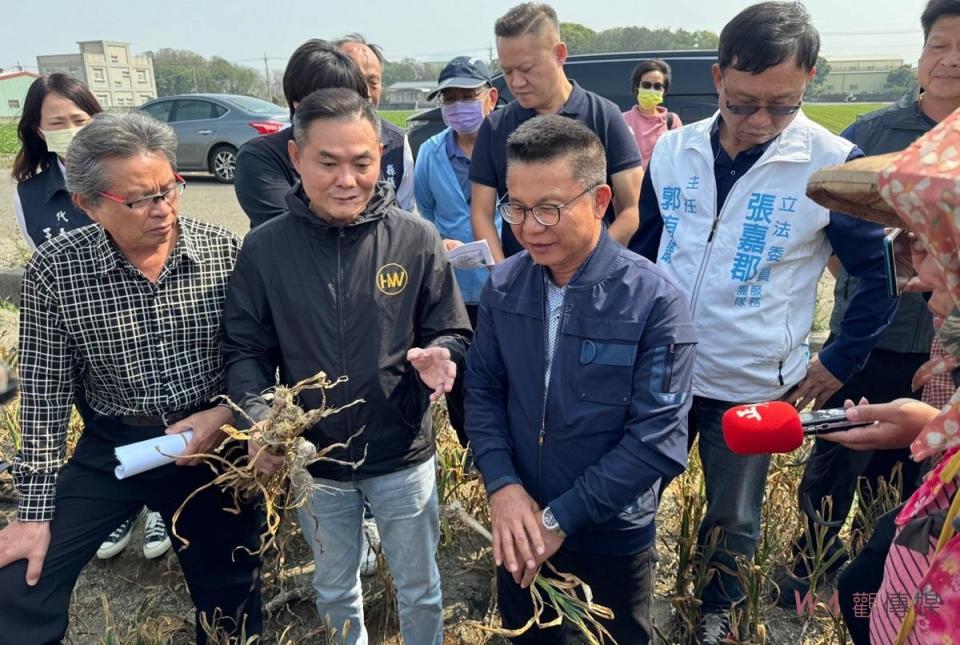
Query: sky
[244, 31]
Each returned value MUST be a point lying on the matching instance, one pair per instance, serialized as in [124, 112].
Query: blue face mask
[465, 117]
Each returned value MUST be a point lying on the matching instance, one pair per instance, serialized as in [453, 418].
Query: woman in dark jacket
[55, 109]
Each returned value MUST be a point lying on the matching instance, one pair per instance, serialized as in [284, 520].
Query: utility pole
[490, 49]
[195, 90]
[266, 73]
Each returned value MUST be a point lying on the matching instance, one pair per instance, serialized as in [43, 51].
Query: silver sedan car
[211, 127]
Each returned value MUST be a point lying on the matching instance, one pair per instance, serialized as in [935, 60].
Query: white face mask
[59, 140]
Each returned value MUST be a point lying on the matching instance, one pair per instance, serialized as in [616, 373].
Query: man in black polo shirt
[532, 57]
[264, 173]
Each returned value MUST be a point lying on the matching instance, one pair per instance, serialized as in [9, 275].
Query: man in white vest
[724, 213]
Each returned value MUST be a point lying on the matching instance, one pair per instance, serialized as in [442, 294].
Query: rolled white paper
[136, 458]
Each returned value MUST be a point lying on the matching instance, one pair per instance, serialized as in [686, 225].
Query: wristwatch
[550, 523]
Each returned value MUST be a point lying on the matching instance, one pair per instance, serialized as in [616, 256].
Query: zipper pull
[540, 439]
[780, 373]
[713, 229]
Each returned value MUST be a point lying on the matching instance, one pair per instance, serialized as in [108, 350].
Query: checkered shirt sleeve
[89, 319]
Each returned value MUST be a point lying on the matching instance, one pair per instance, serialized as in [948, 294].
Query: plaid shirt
[89, 319]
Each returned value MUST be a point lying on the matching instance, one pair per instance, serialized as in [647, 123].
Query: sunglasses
[772, 110]
[647, 85]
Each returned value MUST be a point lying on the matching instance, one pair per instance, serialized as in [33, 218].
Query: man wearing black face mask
[442, 178]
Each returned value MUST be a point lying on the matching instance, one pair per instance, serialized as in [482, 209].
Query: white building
[115, 77]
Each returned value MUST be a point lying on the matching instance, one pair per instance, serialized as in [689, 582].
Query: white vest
[752, 281]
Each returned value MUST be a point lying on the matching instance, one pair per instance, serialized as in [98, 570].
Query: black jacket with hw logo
[307, 296]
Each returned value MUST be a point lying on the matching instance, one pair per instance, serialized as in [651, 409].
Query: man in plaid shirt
[123, 319]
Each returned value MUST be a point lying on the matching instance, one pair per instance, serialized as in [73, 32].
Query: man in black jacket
[347, 283]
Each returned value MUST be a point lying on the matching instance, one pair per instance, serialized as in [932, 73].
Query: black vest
[391, 163]
[47, 208]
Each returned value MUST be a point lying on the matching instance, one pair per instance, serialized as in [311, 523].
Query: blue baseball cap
[462, 72]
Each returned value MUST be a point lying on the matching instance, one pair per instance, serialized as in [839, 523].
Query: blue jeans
[735, 486]
[405, 507]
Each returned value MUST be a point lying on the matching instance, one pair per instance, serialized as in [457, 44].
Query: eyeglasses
[545, 214]
[146, 202]
[775, 111]
[647, 85]
[459, 98]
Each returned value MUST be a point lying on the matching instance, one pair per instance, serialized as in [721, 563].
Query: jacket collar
[905, 114]
[108, 256]
[793, 144]
[598, 265]
[298, 204]
[575, 105]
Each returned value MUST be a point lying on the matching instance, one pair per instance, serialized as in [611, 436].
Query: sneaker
[156, 542]
[369, 547]
[714, 628]
[793, 586]
[120, 538]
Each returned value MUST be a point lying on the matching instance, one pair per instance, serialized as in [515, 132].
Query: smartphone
[897, 260]
[817, 422]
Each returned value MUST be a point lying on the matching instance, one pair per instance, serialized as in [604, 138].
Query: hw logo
[391, 279]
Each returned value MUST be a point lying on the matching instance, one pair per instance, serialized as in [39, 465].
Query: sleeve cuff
[497, 469]
[503, 482]
[256, 408]
[842, 367]
[38, 496]
[570, 511]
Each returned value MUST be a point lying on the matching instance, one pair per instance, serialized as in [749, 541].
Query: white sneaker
[120, 538]
[369, 547]
[156, 542]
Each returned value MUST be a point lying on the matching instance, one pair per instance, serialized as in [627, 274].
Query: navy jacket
[613, 423]
[889, 129]
[44, 208]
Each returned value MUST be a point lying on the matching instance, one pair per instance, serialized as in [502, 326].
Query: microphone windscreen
[762, 428]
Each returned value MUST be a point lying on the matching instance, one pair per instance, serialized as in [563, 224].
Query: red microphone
[776, 426]
[762, 428]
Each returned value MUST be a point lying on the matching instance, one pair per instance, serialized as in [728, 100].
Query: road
[204, 198]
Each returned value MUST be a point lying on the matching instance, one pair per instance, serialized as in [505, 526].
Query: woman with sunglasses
[648, 119]
[55, 109]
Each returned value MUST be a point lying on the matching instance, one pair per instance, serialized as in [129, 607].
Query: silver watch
[550, 523]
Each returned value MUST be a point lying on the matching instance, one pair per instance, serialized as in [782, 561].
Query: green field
[9, 144]
[835, 117]
[397, 117]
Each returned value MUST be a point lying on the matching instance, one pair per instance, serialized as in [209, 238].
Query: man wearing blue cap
[466, 96]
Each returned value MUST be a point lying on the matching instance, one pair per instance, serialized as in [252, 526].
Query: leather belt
[158, 420]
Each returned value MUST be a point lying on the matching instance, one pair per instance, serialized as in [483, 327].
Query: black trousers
[223, 579]
[622, 583]
[455, 397]
[863, 576]
[833, 470]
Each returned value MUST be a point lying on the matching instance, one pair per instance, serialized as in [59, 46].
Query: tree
[180, 71]
[577, 37]
[901, 80]
[823, 70]
[583, 40]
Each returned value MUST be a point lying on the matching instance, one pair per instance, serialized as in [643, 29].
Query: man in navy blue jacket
[578, 386]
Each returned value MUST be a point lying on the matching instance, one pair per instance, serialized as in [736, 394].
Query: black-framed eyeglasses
[647, 85]
[545, 214]
[147, 201]
[775, 111]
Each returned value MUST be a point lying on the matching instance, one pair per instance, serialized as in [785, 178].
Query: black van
[692, 94]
